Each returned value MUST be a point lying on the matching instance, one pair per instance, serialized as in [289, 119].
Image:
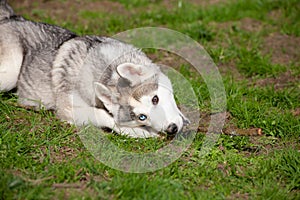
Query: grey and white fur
[85, 79]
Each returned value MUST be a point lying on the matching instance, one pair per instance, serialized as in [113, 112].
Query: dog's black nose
[172, 129]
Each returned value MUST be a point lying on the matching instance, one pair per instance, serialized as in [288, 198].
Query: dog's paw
[136, 132]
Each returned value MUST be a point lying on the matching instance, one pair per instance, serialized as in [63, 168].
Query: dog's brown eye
[155, 100]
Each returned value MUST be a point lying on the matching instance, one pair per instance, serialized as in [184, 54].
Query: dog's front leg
[100, 118]
[135, 132]
[72, 108]
[90, 115]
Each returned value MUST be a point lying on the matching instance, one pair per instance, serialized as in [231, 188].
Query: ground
[256, 46]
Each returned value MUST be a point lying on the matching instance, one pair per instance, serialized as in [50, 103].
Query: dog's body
[86, 79]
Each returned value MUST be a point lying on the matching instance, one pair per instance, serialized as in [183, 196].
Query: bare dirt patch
[171, 4]
[230, 69]
[229, 128]
[282, 81]
[62, 10]
[245, 24]
[251, 25]
[268, 144]
[221, 26]
[207, 3]
[296, 112]
[275, 15]
[58, 154]
[284, 49]
[239, 196]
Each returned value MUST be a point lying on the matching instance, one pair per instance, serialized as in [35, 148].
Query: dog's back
[5, 10]
[27, 50]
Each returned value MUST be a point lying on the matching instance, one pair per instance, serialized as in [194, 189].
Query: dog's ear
[135, 74]
[104, 95]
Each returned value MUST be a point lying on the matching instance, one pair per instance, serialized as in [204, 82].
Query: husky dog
[89, 79]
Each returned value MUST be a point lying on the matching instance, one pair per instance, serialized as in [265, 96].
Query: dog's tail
[5, 10]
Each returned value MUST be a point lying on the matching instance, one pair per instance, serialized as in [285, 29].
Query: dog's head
[144, 98]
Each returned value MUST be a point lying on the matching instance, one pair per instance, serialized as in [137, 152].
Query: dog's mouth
[185, 120]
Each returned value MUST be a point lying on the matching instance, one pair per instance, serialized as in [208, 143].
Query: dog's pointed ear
[104, 94]
[135, 74]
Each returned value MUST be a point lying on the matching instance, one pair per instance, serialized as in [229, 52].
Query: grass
[43, 158]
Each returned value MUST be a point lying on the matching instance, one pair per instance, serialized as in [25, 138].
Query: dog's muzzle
[173, 128]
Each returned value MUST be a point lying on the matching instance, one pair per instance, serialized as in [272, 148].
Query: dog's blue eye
[142, 117]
